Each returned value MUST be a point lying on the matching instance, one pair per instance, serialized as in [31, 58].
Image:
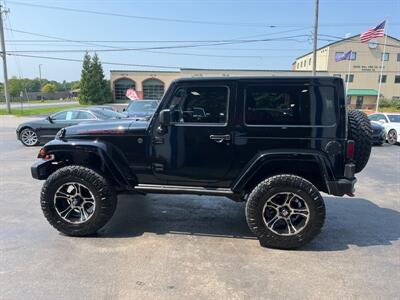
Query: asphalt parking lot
[175, 247]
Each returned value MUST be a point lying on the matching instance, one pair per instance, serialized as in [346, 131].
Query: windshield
[107, 114]
[394, 118]
[142, 106]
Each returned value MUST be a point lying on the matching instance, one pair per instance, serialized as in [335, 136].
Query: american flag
[371, 33]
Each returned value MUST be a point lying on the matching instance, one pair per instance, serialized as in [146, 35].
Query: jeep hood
[114, 127]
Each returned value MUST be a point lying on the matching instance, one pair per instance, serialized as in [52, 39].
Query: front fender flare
[111, 159]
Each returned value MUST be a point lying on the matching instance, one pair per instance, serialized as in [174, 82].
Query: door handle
[220, 138]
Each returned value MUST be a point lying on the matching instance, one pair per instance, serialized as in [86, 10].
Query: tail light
[350, 149]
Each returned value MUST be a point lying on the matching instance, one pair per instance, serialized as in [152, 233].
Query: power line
[356, 40]
[113, 48]
[170, 20]
[175, 20]
[103, 62]
[60, 40]
[95, 43]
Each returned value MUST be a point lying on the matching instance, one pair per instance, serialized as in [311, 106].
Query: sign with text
[131, 94]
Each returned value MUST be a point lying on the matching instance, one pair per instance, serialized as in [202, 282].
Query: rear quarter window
[296, 105]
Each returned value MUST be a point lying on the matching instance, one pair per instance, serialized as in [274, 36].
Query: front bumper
[41, 169]
[379, 138]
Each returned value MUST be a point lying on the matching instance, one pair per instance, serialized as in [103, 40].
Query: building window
[397, 79]
[340, 53]
[309, 61]
[382, 79]
[153, 89]
[337, 75]
[385, 56]
[120, 87]
[353, 55]
[349, 78]
[398, 56]
[298, 65]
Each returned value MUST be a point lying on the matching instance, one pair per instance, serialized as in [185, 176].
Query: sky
[236, 34]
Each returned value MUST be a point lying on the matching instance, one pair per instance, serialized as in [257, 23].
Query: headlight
[60, 134]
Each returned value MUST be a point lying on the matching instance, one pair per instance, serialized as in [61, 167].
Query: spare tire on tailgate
[360, 131]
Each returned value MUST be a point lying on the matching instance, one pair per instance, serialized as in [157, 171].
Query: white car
[391, 122]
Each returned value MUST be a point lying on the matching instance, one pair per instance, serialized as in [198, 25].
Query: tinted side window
[289, 105]
[200, 105]
[72, 115]
[381, 118]
[83, 115]
[373, 117]
[61, 116]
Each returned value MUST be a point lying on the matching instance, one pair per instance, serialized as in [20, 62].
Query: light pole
[40, 80]
[4, 57]
[314, 65]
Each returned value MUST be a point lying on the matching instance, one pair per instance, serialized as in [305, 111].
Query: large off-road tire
[360, 131]
[285, 212]
[77, 201]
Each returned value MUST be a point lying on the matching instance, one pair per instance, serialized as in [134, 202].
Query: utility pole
[4, 57]
[314, 66]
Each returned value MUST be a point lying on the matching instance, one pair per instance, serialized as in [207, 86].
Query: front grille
[376, 131]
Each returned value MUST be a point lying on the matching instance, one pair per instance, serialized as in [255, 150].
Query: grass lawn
[38, 110]
[38, 101]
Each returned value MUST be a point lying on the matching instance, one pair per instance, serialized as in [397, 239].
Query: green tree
[94, 88]
[49, 88]
[85, 89]
[16, 86]
[107, 91]
[97, 78]
[74, 85]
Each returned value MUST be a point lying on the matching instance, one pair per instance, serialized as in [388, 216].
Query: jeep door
[196, 149]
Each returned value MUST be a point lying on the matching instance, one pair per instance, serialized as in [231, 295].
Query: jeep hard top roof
[260, 78]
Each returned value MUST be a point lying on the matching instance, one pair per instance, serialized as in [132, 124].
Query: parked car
[378, 133]
[272, 142]
[141, 110]
[41, 131]
[391, 122]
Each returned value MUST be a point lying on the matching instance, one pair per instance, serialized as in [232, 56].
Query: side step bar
[178, 189]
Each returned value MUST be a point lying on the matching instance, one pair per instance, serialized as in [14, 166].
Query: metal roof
[362, 92]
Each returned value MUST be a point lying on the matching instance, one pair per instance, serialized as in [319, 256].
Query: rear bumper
[344, 186]
[41, 169]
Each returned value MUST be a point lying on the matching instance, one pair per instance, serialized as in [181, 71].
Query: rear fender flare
[263, 158]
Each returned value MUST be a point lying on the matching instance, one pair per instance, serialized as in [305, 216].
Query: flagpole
[348, 74]
[383, 60]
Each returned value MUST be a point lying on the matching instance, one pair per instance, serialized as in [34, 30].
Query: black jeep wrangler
[274, 142]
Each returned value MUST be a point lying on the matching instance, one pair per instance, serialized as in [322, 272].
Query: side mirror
[50, 119]
[124, 109]
[165, 117]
